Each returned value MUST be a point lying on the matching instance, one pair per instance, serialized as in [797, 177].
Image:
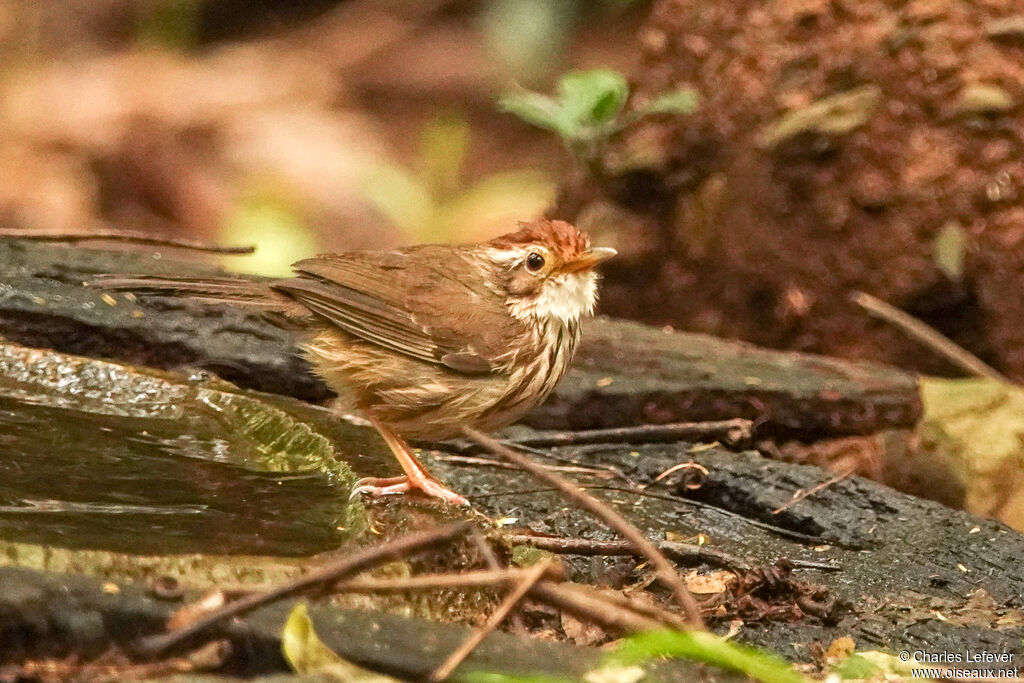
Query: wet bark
[625, 374]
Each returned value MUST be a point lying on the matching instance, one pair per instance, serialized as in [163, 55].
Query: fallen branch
[487, 462]
[731, 432]
[475, 579]
[587, 607]
[622, 601]
[449, 665]
[684, 553]
[927, 335]
[666, 572]
[125, 237]
[317, 579]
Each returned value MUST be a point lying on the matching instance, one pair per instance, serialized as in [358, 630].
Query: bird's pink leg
[416, 477]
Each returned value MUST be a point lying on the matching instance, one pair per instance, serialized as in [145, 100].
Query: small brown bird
[429, 338]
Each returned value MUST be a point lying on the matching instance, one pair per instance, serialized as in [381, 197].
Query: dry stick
[486, 462]
[486, 551]
[684, 553]
[730, 431]
[928, 336]
[594, 609]
[127, 237]
[665, 570]
[324, 577]
[810, 492]
[507, 605]
[474, 579]
[620, 600]
[625, 615]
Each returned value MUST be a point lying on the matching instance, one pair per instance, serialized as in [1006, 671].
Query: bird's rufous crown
[563, 238]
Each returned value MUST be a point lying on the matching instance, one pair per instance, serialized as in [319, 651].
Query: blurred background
[296, 125]
[755, 164]
[835, 146]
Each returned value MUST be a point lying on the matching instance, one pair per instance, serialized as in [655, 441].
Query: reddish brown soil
[770, 247]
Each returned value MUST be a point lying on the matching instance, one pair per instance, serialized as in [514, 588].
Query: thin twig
[618, 599]
[460, 653]
[126, 237]
[772, 528]
[565, 596]
[820, 566]
[927, 335]
[684, 553]
[474, 579]
[665, 570]
[485, 549]
[594, 609]
[317, 579]
[487, 462]
[688, 480]
[810, 492]
[733, 432]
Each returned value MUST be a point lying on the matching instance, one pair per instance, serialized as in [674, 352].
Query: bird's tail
[246, 293]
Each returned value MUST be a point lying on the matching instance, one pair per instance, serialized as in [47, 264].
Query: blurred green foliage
[627, 660]
[587, 109]
[171, 24]
[430, 202]
[529, 38]
[273, 223]
[701, 646]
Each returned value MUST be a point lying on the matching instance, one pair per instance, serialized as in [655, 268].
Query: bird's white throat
[567, 297]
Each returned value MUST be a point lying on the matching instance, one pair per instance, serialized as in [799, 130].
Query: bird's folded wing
[409, 301]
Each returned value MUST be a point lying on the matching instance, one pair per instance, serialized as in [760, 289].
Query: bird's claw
[393, 486]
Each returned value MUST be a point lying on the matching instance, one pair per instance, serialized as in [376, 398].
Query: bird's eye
[534, 262]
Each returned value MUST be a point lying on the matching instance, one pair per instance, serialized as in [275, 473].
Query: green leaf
[535, 109]
[307, 654]
[857, 668]
[874, 665]
[705, 647]
[677, 102]
[592, 98]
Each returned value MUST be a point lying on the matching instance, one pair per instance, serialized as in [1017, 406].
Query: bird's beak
[589, 259]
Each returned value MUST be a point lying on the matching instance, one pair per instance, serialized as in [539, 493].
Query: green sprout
[588, 109]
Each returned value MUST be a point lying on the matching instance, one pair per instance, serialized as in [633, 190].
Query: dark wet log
[51, 615]
[903, 573]
[626, 374]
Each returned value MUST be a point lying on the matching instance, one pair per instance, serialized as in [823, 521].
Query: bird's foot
[394, 486]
